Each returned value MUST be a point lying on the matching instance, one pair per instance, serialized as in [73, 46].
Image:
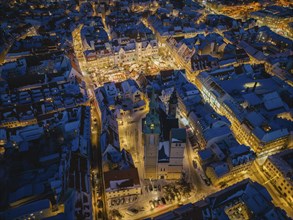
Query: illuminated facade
[132, 51]
[122, 184]
[278, 170]
[126, 52]
[226, 105]
[234, 172]
[164, 141]
[151, 134]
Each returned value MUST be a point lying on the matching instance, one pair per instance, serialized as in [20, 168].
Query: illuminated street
[139, 109]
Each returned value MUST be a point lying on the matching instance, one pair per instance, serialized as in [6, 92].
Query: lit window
[152, 126]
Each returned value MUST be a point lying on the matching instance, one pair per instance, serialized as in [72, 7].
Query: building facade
[279, 171]
[164, 141]
[151, 137]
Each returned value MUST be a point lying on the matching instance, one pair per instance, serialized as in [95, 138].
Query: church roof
[167, 124]
[164, 152]
[178, 135]
[173, 98]
[151, 123]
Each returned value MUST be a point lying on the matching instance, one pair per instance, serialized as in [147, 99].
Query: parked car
[222, 185]
[132, 211]
[156, 203]
[100, 203]
[151, 204]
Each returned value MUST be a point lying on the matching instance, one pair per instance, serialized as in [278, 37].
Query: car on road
[134, 210]
[141, 208]
[222, 185]
[165, 187]
[206, 181]
[151, 204]
[156, 203]
[100, 215]
[160, 202]
[100, 204]
[193, 141]
[189, 131]
[131, 211]
[177, 196]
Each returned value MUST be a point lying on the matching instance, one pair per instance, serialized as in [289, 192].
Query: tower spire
[173, 102]
[152, 120]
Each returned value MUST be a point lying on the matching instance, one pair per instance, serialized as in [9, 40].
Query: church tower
[173, 103]
[151, 135]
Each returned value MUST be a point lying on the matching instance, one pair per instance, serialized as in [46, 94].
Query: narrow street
[257, 175]
[193, 176]
[130, 136]
[97, 166]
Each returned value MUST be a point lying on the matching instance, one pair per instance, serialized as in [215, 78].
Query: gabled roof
[178, 135]
[205, 154]
[164, 152]
[117, 175]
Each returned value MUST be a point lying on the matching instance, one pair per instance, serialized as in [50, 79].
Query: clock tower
[151, 136]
